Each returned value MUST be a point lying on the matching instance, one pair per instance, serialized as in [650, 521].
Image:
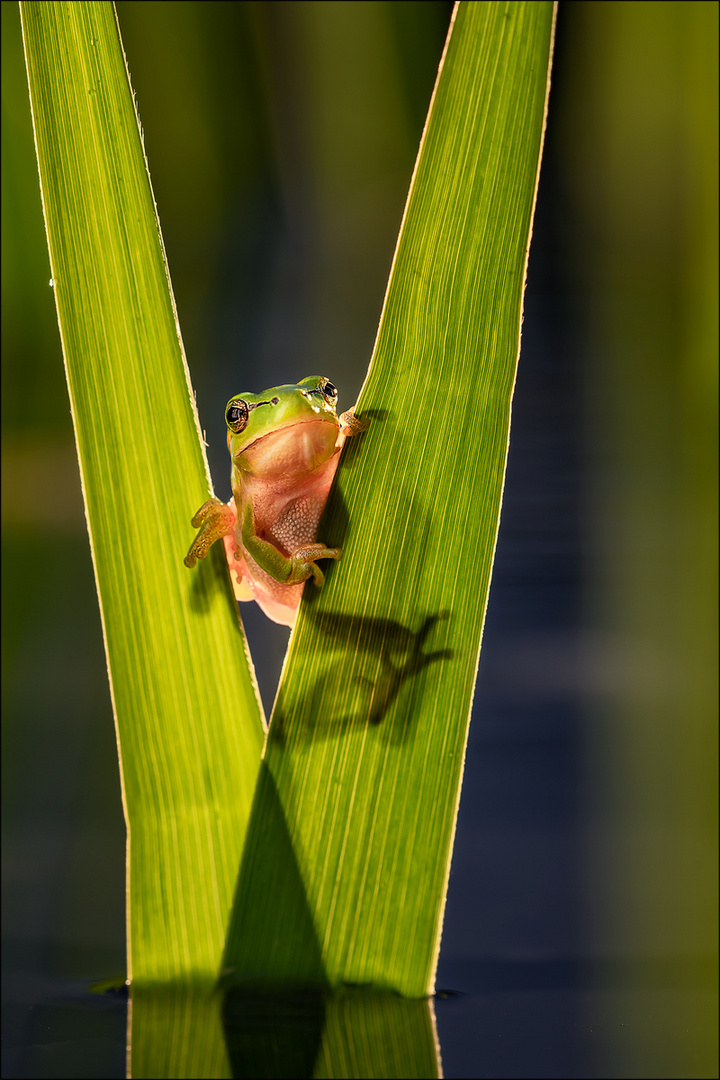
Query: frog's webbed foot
[350, 425]
[214, 519]
[303, 563]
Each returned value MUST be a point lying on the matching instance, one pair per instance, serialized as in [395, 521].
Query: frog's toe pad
[350, 425]
[215, 519]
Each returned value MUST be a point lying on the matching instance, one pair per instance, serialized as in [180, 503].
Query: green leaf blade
[367, 740]
[187, 714]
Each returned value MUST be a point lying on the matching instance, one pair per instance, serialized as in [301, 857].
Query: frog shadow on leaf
[389, 656]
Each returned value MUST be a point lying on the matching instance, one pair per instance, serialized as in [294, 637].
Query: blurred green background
[281, 139]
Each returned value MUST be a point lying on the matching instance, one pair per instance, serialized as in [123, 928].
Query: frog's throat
[282, 427]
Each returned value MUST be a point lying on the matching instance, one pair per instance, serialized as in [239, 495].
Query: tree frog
[285, 446]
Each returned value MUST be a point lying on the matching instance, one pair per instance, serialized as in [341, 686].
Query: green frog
[285, 446]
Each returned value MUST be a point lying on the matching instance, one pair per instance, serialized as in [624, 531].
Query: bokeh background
[580, 934]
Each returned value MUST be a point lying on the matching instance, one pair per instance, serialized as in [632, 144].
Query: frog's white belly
[297, 524]
[288, 523]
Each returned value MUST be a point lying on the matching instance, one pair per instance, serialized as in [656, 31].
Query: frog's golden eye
[329, 390]
[236, 416]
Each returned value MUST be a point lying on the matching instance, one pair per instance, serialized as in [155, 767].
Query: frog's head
[285, 430]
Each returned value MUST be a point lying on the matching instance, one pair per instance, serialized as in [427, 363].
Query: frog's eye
[236, 416]
[329, 390]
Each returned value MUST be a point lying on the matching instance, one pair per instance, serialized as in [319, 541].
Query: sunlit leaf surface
[187, 714]
[345, 870]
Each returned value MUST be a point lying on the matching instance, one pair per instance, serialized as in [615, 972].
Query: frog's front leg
[214, 519]
[290, 570]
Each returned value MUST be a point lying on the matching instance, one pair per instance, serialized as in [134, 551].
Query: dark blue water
[513, 920]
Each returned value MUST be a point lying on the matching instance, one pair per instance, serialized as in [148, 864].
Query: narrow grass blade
[345, 869]
[188, 720]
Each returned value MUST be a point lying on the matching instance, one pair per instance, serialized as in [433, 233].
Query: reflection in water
[350, 1033]
[383, 654]
[273, 1034]
[196, 1030]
